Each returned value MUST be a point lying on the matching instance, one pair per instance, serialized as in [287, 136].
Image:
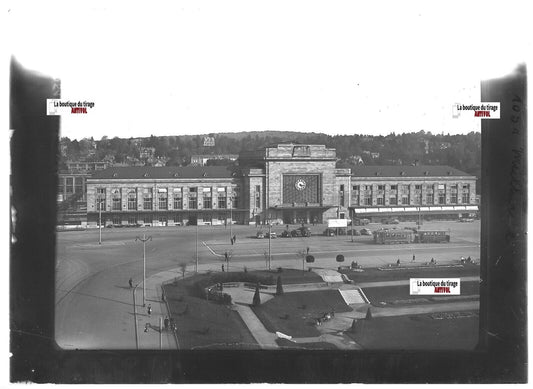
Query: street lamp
[196, 262]
[99, 201]
[144, 239]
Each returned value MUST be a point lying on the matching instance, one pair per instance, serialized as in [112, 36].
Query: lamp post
[144, 239]
[196, 256]
[269, 239]
[99, 202]
[231, 216]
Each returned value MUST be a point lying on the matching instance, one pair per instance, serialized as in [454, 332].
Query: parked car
[466, 220]
[354, 232]
[260, 235]
[271, 235]
[329, 232]
[361, 222]
[296, 233]
[305, 231]
[390, 221]
[365, 231]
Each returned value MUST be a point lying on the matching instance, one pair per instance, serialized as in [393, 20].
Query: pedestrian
[398, 262]
[146, 327]
[234, 238]
[231, 240]
[469, 259]
[413, 257]
[166, 323]
[131, 283]
[308, 250]
[222, 268]
[149, 309]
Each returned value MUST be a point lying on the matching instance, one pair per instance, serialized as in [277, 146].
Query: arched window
[132, 200]
[117, 200]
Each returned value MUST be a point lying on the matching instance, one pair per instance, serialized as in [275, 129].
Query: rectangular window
[78, 185]
[453, 198]
[193, 203]
[163, 200]
[147, 219]
[368, 200]
[405, 200]
[442, 197]
[341, 199]
[355, 187]
[429, 198]
[257, 188]
[221, 201]
[178, 202]
[100, 199]
[117, 200]
[258, 200]
[132, 200]
[418, 187]
[381, 187]
[148, 199]
[466, 198]
[178, 218]
[381, 201]
[394, 187]
[116, 220]
[207, 202]
[132, 220]
[193, 189]
[342, 188]
[393, 200]
[466, 186]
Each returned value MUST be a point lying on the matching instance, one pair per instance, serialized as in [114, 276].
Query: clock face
[300, 184]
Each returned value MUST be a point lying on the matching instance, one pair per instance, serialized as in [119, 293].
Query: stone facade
[288, 183]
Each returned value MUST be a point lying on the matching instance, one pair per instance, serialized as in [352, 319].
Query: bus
[435, 236]
[393, 236]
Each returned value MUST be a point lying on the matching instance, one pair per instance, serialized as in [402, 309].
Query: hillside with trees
[459, 151]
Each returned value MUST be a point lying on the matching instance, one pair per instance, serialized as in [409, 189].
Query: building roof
[407, 171]
[151, 172]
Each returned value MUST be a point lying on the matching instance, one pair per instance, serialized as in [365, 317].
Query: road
[94, 304]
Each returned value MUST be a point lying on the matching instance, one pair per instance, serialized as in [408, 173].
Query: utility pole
[231, 216]
[144, 239]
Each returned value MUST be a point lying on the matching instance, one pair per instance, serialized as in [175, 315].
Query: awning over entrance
[411, 210]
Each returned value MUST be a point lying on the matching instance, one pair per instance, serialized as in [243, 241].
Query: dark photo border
[501, 354]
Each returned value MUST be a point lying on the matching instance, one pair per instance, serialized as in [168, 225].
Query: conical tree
[368, 314]
[279, 287]
[353, 328]
[257, 297]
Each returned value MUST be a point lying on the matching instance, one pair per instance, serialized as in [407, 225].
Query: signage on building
[337, 223]
[209, 141]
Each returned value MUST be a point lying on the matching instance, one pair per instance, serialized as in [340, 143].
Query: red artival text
[78, 110]
[485, 114]
[442, 289]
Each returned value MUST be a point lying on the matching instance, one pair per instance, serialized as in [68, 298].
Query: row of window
[162, 199]
[405, 200]
[149, 219]
[405, 188]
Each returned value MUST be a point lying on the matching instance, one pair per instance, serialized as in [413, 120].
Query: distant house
[201, 159]
[146, 152]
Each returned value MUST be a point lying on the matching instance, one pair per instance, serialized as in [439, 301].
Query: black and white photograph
[268, 192]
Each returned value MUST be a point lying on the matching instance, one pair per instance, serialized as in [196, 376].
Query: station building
[283, 184]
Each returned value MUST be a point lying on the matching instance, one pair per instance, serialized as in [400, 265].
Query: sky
[335, 67]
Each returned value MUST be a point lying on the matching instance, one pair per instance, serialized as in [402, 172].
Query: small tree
[183, 268]
[257, 298]
[279, 287]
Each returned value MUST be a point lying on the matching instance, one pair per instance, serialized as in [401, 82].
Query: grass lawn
[398, 294]
[418, 332]
[295, 313]
[373, 274]
[202, 323]
[292, 276]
